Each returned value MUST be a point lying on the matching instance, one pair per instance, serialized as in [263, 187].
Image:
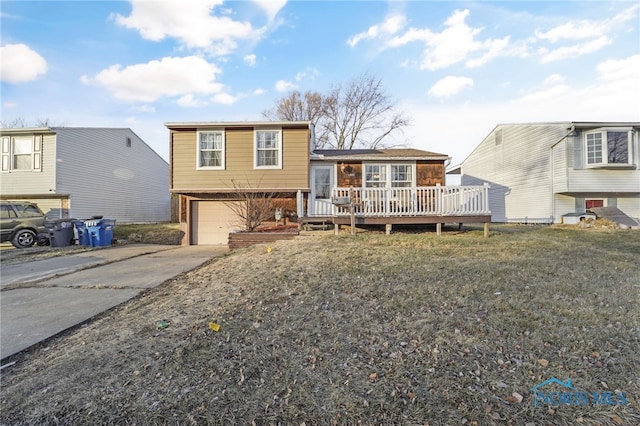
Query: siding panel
[239, 163]
[106, 177]
[33, 182]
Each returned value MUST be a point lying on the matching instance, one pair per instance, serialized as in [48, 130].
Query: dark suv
[22, 222]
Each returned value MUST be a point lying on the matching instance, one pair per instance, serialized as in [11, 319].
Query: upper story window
[388, 175]
[609, 147]
[21, 153]
[211, 150]
[268, 149]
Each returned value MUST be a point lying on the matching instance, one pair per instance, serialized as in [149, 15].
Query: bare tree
[252, 207]
[361, 114]
[21, 122]
[357, 115]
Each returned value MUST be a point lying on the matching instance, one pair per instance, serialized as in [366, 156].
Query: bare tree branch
[358, 114]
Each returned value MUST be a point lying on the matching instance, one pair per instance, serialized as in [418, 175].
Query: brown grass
[403, 329]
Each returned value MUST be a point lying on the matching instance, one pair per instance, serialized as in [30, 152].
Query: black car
[21, 223]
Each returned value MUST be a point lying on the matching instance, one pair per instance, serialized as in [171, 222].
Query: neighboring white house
[83, 172]
[539, 172]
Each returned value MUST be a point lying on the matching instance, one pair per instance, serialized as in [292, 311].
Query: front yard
[402, 329]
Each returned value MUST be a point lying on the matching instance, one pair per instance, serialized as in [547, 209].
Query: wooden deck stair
[616, 215]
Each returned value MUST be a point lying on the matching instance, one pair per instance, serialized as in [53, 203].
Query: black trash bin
[61, 232]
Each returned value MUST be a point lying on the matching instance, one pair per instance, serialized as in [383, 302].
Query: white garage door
[211, 222]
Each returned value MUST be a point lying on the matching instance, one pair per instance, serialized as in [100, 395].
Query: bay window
[609, 147]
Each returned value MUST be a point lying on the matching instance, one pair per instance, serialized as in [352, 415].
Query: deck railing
[408, 201]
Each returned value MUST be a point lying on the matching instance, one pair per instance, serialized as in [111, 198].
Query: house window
[211, 150]
[401, 175]
[388, 175]
[22, 153]
[268, 149]
[608, 147]
[375, 175]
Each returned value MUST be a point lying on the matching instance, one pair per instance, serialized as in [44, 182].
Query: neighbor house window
[211, 150]
[21, 153]
[608, 147]
[388, 175]
[268, 149]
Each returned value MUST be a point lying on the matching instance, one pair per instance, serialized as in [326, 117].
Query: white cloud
[167, 77]
[250, 60]
[390, 26]
[224, 99]
[308, 74]
[190, 22]
[20, 64]
[285, 86]
[259, 92]
[574, 51]
[144, 108]
[271, 7]
[458, 42]
[450, 86]
[594, 35]
[9, 105]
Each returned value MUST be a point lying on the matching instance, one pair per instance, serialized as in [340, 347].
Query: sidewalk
[43, 298]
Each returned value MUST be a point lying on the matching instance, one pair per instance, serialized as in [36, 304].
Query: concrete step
[617, 216]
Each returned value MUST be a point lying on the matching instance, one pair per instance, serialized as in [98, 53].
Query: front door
[320, 202]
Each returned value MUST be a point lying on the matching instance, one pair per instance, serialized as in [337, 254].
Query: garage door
[211, 222]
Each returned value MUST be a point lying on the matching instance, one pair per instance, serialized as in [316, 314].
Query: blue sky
[456, 69]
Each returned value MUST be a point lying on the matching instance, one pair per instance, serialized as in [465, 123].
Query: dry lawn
[405, 329]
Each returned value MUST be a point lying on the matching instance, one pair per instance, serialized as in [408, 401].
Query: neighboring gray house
[82, 172]
[539, 172]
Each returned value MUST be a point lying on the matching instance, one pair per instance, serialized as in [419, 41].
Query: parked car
[22, 223]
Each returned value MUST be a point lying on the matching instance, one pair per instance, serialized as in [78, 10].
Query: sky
[454, 69]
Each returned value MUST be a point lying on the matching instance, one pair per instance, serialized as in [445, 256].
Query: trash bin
[84, 239]
[60, 232]
[100, 231]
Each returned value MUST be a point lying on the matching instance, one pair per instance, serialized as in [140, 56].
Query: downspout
[571, 132]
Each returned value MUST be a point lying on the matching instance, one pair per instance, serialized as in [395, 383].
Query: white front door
[322, 184]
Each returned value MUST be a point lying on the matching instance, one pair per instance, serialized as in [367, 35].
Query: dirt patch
[374, 329]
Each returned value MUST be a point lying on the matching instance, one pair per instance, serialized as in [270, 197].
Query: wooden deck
[390, 206]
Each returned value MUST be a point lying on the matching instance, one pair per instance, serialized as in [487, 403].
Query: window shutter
[37, 153]
[578, 152]
[6, 153]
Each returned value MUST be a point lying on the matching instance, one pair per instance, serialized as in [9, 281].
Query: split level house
[77, 172]
[213, 163]
[540, 172]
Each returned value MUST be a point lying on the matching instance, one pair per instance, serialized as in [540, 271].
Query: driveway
[42, 298]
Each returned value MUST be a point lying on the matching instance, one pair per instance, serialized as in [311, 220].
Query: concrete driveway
[42, 298]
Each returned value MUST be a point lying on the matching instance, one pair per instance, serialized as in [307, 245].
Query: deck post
[486, 229]
[387, 228]
[336, 229]
[438, 229]
[352, 211]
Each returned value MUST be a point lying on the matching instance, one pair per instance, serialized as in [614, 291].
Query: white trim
[280, 148]
[224, 150]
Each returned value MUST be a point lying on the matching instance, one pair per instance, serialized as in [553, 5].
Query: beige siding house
[211, 163]
[215, 164]
[539, 172]
[83, 172]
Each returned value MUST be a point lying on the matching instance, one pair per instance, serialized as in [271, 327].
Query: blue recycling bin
[82, 232]
[100, 231]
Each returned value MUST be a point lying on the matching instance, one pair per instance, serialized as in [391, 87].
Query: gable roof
[404, 154]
